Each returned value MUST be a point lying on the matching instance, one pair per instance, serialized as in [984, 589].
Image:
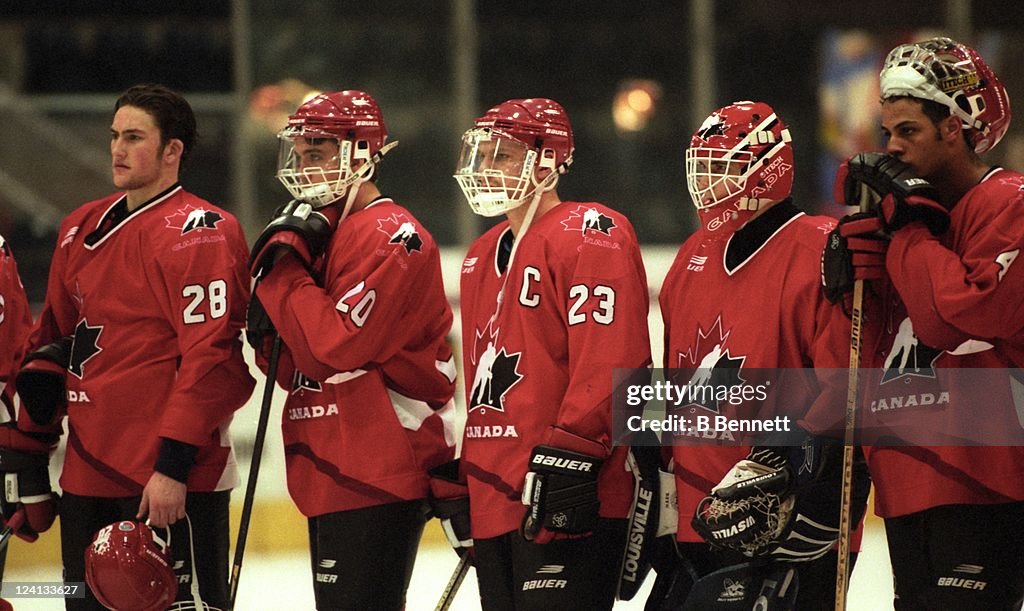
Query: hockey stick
[254, 469]
[846, 500]
[453, 584]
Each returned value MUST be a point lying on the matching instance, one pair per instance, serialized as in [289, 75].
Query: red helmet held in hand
[128, 568]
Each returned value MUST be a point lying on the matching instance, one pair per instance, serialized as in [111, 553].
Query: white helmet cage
[496, 171]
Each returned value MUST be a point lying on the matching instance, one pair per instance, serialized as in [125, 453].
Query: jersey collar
[117, 215]
[750, 238]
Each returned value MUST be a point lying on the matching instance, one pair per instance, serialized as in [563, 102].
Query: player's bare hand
[163, 500]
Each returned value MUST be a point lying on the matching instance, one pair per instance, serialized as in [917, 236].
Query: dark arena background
[637, 78]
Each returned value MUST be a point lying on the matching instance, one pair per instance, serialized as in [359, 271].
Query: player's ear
[173, 149]
[950, 128]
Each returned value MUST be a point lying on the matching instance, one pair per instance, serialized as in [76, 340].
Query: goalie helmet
[128, 568]
[740, 160]
[501, 154]
[330, 145]
[954, 75]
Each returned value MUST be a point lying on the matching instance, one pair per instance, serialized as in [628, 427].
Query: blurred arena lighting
[635, 103]
[270, 105]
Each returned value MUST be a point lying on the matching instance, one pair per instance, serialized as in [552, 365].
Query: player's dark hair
[171, 111]
[935, 112]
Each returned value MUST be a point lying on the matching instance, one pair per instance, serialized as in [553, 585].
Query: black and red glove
[28, 504]
[854, 250]
[560, 492]
[449, 502]
[41, 383]
[893, 192]
[298, 229]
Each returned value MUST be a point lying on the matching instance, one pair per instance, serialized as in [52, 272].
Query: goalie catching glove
[896, 195]
[560, 491]
[298, 229]
[750, 509]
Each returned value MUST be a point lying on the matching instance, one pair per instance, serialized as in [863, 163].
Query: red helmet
[128, 568]
[954, 75]
[345, 127]
[506, 146]
[741, 156]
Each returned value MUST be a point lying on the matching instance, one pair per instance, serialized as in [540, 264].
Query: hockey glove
[855, 250]
[298, 229]
[24, 464]
[259, 329]
[561, 493]
[898, 196]
[41, 383]
[449, 502]
[815, 527]
[751, 508]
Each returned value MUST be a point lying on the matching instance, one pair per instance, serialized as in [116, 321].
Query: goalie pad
[769, 586]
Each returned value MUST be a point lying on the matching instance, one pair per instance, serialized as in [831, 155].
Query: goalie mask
[331, 144]
[508, 145]
[954, 75]
[128, 568]
[739, 161]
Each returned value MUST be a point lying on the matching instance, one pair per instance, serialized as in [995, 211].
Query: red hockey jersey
[155, 300]
[370, 374]
[538, 365]
[964, 293]
[752, 302]
[15, 324]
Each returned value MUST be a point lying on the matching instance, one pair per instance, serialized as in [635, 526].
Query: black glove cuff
[175, 459]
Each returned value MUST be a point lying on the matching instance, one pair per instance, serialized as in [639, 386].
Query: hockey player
[352, 282]
[27, 505]
[138, 342]
[953, 514]
[553, 298]
[743, 295]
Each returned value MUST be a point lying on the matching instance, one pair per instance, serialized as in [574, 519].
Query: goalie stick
[846, 500]
[254, 469]
[453, 584]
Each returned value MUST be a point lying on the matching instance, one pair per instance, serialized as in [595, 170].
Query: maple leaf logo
[401, 230]
[585, 218]
[190, 219]
[497, 372]
[84, 346]
[300, 383]
[715, 367]
[908, 356]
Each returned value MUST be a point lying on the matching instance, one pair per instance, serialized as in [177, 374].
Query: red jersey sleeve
[205, 292]
[15, 320]
[965, 285]
[606, 306]
[366, 313]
